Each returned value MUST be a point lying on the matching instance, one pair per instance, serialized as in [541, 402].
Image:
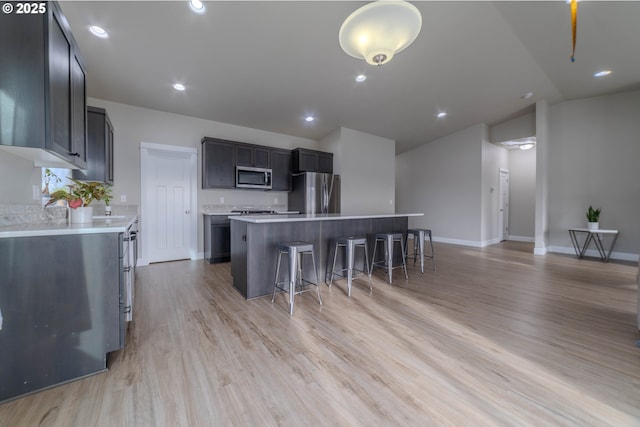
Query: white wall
[17, 177]
[594, 157]
[443, 179]
[366, 165]
[522, 194]
[494, 158]
[516, 128]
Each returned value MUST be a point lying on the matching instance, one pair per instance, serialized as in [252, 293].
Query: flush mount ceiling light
[379, 30]
[179, 86]
[441, 115]
[360, 78]
[197, 6]
[309, 119]
[521, 143]
[526, 146]
[98, 31]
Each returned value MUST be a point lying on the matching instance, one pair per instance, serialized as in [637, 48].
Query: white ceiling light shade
[379, 30]
[179, 87]
[98, 31]
[197, 6]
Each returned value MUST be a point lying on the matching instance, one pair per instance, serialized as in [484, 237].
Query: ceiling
[267, 64]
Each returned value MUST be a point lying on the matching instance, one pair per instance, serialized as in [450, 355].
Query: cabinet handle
[74, 154]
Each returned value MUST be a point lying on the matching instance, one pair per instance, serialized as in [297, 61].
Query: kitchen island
[255, 241]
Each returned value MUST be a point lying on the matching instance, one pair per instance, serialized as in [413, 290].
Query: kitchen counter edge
[59, 228]
[265, 219]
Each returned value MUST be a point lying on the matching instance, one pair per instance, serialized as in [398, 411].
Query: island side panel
[333, 230]
[263, 240]
[239, 256]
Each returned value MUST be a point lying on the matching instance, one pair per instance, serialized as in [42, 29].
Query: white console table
[595, 236]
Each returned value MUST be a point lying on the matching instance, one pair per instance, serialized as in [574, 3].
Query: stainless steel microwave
[248, 177]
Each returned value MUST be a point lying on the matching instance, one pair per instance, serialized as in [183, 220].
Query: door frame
[145, 165]
[503, 208]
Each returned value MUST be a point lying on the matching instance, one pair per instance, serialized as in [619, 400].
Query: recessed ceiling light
[527, 95]
[98, 32]
[179, 86]
[526, 146]
[602, 73]
[309, 118]
[361, 78]
[197, 6]
[441, 115]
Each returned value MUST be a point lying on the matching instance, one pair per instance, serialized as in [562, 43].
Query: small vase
[107, 210]
[81, 215]
[593, 225]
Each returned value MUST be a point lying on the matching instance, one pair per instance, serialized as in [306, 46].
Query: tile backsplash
[15, 214]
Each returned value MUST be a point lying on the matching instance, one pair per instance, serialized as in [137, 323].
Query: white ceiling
[266, 64]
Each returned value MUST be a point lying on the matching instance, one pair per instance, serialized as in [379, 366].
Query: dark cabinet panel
[305, 160]
[43, 76]
[252, 155]
[60, 88]
[99, 148]
[218, 167]
[281, 170]
[79, 142]
[217, 238]
[220, 158]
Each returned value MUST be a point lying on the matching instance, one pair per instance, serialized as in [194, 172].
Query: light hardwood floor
[495, 336]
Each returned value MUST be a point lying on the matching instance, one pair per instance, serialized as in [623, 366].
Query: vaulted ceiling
[268, 64]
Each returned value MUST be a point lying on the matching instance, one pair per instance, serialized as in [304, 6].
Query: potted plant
[79, 196]
[593, 218]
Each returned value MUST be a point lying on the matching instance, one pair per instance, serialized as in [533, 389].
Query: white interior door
[168, 201]
[503, 200]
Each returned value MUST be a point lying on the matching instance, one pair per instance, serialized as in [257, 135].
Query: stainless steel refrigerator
[315, 193]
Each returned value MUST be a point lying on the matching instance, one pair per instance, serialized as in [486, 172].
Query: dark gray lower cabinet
[217, 238]
[59, 297]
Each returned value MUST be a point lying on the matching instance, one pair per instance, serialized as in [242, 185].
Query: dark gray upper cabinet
[220, 158]
[252, 155]
[281, 170]
[218, 163]
[99, 148]
[305, 160]
[43, 82]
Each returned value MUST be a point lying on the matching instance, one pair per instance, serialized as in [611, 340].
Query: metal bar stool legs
[418, 247]
[388, 240]
[350, 244]
[295, 251]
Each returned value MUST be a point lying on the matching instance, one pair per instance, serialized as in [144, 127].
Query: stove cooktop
[253, 211]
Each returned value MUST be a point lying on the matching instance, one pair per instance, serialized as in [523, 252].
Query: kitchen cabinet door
[99, 148]
[251, 155]
[218, 167]
[305, 160]
[44, 80]
[281, 169]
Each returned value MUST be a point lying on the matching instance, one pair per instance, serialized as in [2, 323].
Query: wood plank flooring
[496, 336]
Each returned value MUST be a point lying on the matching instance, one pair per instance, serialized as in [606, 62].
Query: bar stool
[389, 240]
[350, 244]
[295, 250]
[418, 247]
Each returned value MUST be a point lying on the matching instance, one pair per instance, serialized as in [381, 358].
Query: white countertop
[58, 228]
[265, 219]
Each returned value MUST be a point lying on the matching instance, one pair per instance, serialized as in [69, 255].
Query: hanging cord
[574, 25]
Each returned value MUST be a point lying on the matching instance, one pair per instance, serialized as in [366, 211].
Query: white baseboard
[521, 239]
[539, 251]
[622, 256]
[142, 262]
